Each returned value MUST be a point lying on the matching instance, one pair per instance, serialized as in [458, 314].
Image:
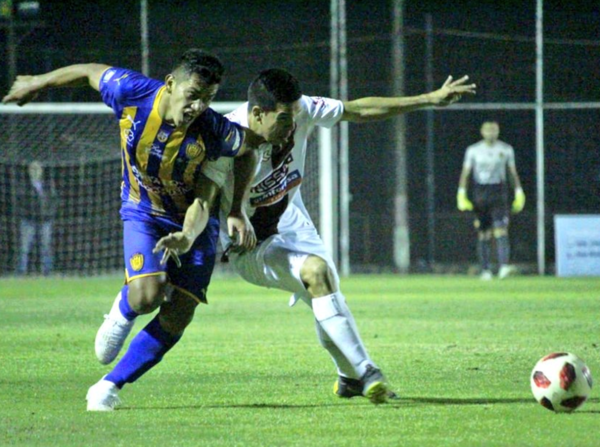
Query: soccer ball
[561, 382]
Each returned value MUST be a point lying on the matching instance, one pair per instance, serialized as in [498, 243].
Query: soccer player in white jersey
[291, 255]
[488, 161]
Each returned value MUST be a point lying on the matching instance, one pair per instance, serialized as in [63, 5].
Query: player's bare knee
[317, 276]
[147, 294]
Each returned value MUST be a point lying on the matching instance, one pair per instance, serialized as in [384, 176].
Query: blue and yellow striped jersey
[161, 164]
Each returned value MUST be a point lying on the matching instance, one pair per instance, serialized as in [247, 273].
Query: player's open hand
[452, 91]
[23, 90]
[240, 229]
[173, 244]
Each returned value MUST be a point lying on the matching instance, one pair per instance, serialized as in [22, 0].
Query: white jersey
[275, 203]
[489, 162]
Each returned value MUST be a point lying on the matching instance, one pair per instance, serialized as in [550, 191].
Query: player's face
[278, 125]
[490, 132]
[190, 97]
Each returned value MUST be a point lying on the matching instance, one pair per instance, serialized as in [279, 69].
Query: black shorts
[490, 203]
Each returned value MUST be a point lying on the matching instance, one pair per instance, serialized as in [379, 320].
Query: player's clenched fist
[239, 226]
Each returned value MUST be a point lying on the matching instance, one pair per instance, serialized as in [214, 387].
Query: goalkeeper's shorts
[490, 204]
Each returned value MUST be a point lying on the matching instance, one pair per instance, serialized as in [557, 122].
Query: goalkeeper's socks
[146, 350]
[503, 245]
[337, 321]
[484, 247]
[124, 305]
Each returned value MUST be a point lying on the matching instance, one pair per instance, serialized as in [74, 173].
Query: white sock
[337, 322]
[344, 368]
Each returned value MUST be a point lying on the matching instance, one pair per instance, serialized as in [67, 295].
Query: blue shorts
[141, 232]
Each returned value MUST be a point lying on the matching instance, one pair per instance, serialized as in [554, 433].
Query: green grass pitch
[250, 372]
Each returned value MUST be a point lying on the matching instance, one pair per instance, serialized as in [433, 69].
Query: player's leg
[483, 225]
[46, 245]
[27, 238]
[150, 345]
[145, 351]
[335, 318]
[273, 265]
[187, 288]
[482, 201]
[484, 249]
[501, 222]
[277, 263]
[143, 292]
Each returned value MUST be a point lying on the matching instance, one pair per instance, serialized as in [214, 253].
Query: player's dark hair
[206, 65]
[273, 86]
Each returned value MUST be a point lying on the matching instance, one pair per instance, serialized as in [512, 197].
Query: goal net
[68, 154]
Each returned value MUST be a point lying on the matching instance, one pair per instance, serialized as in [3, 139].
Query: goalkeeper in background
[488, 160]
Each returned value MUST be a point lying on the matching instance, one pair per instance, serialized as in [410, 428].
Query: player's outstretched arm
[376, 108]
[238, 224]
[194, 223]
[26, 88]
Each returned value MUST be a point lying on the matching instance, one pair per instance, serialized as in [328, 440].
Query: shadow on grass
[459, 401]
[241, 406]
[473, 401]
[401, 402]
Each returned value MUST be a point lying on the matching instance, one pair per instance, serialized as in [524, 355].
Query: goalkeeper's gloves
[519, 202]
[462, 202]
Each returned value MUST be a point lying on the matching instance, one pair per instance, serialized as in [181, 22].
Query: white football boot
[112, 334]
[102, 396]
[506, 271]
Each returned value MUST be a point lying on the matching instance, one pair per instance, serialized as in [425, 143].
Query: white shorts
[277, 261]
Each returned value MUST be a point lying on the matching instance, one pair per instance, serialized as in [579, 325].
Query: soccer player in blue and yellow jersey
[167, 131]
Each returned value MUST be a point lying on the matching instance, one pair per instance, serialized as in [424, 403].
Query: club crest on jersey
[137, 262]
[194, 150]
[162, 136]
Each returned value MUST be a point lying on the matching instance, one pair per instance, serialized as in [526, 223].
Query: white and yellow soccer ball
[561, 382]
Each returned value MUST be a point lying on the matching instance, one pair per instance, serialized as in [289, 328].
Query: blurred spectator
[36, 207]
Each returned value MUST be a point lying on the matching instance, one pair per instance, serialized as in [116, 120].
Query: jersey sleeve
[468, 162]
[120, 87]
[324, 112]
[218, 170]
[225, 138]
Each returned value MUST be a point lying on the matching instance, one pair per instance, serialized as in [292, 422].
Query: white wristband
[518, 190]
[462, 190]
